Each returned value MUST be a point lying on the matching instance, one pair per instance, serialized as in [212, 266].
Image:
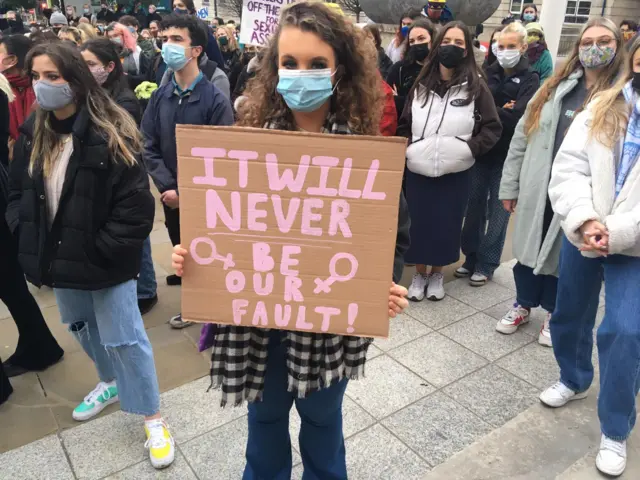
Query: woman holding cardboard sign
[451, 119]
[325, 87]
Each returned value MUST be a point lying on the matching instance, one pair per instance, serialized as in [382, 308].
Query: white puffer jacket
[446, 134]
[582, 188]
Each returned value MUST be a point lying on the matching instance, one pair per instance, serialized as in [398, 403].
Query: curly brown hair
[358, 98]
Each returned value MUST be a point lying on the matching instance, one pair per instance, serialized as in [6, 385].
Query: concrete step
[585, 469]
[540, 443]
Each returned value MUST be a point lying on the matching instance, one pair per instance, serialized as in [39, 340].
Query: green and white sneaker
[103, 395]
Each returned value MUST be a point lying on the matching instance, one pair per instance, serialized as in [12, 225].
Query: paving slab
[504, 275]
[40, 460]
[387, 387]
[436, 427]
[191, 410]
[478, 297]
[538, 444]
[439, 314]
[178, 470]
[376, 454]
[402, 329]
[220, 454]
[493, 394]
[478, 334]
[106, 445]
[437, 359]
[534, 364]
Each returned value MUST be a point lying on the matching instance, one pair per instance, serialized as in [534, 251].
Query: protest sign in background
[260, 20]
[288, 230]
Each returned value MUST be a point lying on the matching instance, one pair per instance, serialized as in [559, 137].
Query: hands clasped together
[595, 237]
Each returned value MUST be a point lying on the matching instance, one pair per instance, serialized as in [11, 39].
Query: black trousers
[5, 386]
[37, 348]
[172, 222]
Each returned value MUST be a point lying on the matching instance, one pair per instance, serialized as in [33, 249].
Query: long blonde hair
[5, 86]
[610, 111]
[605, 79]
[232, 46]
[88, 30]
[113, 122]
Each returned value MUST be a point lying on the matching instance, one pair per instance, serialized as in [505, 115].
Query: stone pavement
[42, 403]
[445, 397]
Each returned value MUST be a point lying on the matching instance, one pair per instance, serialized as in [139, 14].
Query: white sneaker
[478, 280]
[435, 290]
[462, 272]
[544, 337]
[515, 317]
[612, 457]
[558, 395]
[418, 286]
[98, 399]
[160, 443]
[178, 323]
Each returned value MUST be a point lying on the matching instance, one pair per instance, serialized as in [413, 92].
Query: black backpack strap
[208, 69]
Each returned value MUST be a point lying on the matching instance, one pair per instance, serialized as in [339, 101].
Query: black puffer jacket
[105, 213]
[519, 87]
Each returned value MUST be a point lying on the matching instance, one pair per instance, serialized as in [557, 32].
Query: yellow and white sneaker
[160, 443]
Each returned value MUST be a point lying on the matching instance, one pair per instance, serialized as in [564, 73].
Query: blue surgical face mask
[180, 11]
[305, 90]
[529, 17]
[52, 96]
[404, 31]
[174, 56]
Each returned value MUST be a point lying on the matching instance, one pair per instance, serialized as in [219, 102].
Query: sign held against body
[288, 230]
[260, 20]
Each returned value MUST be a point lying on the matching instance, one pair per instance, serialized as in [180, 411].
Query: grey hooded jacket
[525, 177]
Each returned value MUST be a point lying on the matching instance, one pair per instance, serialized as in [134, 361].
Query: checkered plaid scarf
[314, 360]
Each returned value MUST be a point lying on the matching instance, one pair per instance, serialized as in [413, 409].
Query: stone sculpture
[471, 12]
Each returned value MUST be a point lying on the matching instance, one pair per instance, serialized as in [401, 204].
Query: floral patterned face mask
[596, 57]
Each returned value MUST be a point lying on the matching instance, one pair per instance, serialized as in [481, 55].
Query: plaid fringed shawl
[314, 360]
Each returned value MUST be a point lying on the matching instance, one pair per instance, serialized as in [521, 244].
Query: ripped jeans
[108, 325]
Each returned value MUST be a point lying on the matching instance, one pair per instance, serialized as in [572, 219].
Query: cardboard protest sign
[260, 20]
[288, 230]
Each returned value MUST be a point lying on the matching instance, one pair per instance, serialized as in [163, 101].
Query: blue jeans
[321, 438]
[147, 279]
[108, 325]
[618, 337]
[482, 243]
[535, 290]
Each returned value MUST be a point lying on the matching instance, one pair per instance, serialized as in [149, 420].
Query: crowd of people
[88, 110]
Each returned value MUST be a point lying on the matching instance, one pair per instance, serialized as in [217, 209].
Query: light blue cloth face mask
[174, 56]
[305, 90]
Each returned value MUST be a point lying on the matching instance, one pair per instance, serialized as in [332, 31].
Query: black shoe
[146, 304]
[13, 370]
[173, 280]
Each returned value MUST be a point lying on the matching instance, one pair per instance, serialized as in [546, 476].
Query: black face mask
[635, 83]
[417, 53]
[450, 56]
